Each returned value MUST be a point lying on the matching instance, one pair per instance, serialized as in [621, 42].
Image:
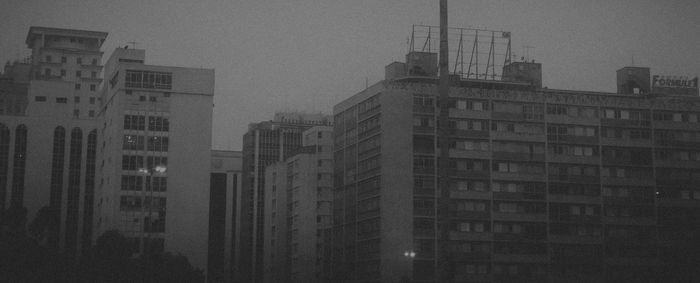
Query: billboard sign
[674, 85]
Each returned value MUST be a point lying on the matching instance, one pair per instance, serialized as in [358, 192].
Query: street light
[409, 254]
[160, 169]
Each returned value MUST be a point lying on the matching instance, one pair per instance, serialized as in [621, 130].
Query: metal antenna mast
[444, 268]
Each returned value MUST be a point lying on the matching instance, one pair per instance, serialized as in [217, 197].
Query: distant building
[544, 185]
[298, 198]
[154, 118]
[49, 132]
[224, 201]
[264, 144]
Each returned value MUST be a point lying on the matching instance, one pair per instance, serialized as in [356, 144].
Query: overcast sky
[304, 55]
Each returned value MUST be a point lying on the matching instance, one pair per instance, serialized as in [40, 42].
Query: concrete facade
[156, 115]
[49, 133]
[545, 185]
[264, 144]
[298, 197]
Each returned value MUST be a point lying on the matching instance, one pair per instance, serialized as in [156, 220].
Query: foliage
[23, 258]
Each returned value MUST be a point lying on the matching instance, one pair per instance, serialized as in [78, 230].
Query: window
[77, 86]
[132, 162]
[64, 59]
[142, 98]
[78, 60]
[76, 113]
[134, 122]
[133, 142]
[93, 87]
[423, 100]
[61, 100]
[63, 73]
[76, 99]
[78, 74]
[47, 72]
[91, 113]
[158, 144]
[92, 100]
[48, 58]
[148, 79]
[152, 98]
[94, 61]
[40, 98]
[160, 124]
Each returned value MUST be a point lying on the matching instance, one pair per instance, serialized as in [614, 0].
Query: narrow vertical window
[18, 168]
[4, 158]
[57, 162]
[72, 205]
[89, 190]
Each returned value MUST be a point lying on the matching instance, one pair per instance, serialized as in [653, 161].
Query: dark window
[89, 195]
[79, 60]
[77, 86]
[64, 59]
[18, 170]
[73, 193]
[148, 79]
[134, 122]
[61, 100]
[93, 87]
[57, 163]
[78, 74]
[94, 61]
[40, 98]
[4, 160]
[133, 142]
[157, 144]
[160, 124]
[63, 73]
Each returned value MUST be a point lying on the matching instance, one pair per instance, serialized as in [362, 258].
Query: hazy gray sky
[308, 55]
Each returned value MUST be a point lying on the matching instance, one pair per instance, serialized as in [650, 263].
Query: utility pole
[445, 264]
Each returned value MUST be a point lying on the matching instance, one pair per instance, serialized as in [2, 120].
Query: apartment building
[154, 155]
[48, 133]
[298, 196]
[544, 185]
[264, 144]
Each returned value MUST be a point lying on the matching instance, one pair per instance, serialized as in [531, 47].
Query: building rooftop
[35, 31]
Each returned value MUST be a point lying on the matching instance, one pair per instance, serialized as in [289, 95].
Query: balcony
[574, 198]
[628, 181]
[565, 119]
[518, 156]
[519, 217]
[469, 236]
[521, 258]
[507, 176]
[573, 159]
[458, 113]
[456, 153]
[470, 195]
[522, 136]
[575, 239]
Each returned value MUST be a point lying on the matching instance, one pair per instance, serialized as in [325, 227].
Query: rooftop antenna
[526, 50]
